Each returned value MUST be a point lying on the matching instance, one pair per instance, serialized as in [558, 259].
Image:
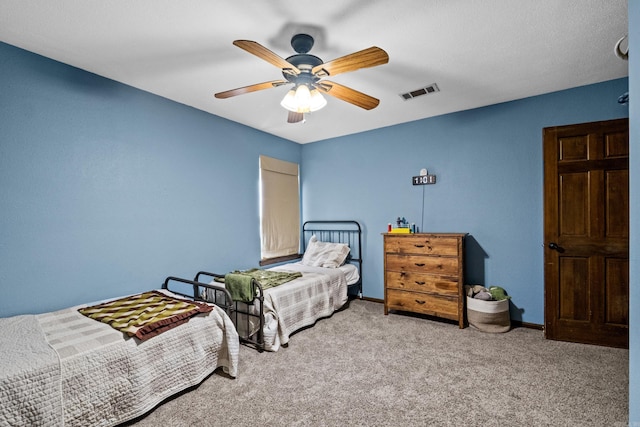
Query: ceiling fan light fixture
[317, 100]
[289, 101]
[302, 100]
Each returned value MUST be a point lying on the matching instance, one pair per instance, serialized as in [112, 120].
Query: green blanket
[238, 283]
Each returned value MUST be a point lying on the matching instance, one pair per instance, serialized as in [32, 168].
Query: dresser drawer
[422, 264]
[423, 245]
[419, 282]
[415, 302]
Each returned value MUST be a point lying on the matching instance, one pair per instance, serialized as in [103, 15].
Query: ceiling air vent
[419, 92]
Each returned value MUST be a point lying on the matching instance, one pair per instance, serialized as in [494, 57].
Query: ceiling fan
[306, 72]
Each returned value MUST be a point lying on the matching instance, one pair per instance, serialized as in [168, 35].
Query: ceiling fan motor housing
[305, 63]
[302, 43]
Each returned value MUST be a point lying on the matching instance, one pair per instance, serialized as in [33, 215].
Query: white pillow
[336, 254]
[324, 254]
[311, 254]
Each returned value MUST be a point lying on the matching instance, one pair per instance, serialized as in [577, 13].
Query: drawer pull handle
[420, 283]
[419, 264]
[420, 302]
[419, 246]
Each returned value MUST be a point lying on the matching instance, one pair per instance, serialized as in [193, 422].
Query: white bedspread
[87, 373]
[29, 375]
[301, 302]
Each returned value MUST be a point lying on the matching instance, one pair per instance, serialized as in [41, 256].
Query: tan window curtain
[280, 208]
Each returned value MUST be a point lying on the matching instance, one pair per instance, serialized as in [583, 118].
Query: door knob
[555, 247]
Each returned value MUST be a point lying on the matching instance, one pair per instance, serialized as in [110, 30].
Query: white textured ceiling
[478, 52]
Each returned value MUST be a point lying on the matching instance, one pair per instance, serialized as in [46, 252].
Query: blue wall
[634, 202]
[106, 190]
[488, 164]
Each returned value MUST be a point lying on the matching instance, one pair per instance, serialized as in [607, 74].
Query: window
[279, 210]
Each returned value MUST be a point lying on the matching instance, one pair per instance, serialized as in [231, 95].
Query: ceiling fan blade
[262, 52]
[252, 88]
[362, 59]
[347, 94]
[295, 117]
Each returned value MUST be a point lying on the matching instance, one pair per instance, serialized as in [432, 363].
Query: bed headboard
[348, 232]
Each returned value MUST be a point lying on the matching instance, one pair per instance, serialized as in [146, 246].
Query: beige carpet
[362, 368]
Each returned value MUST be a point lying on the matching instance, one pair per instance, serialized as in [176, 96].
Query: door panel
[574, 300]
[617, 199]
[574, 204]
[617, 144]
[586, 228]
[616, 293]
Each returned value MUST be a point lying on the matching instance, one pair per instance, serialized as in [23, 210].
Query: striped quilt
[299, 303]
[146, 315]
[295, 304]
[64, 369]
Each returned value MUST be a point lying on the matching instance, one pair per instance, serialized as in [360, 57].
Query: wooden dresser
[424, 273]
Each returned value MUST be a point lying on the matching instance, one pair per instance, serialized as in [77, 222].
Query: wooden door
[586, 230]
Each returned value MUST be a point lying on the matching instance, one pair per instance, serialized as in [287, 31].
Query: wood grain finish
[419, 282]
[262, 52]
[586, 227]
[435, 305]
[370, 57]
[253, 88]
[423, 273]
[347, 94]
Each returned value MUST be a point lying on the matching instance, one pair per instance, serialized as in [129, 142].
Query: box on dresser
[424, 273]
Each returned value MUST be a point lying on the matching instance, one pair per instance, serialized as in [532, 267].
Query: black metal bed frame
[256, 340]
[348, 232]
[222, 296]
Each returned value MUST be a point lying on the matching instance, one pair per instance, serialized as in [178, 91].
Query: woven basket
[489, 316]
